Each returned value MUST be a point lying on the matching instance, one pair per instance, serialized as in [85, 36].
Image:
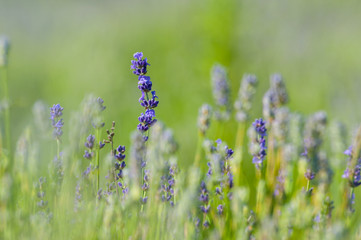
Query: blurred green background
[63, 50]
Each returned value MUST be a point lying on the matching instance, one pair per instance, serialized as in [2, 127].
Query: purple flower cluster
[119, 168]
[145, 186]
[120, 163]
[99, 107]
[352, 173]
[260, 128]
[139, 65]
[222, 159]
[89, 144]
[55, 113]
[168, 186]
[146, 119]
[205, 207]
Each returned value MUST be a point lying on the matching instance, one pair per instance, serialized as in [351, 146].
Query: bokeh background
[63, 50]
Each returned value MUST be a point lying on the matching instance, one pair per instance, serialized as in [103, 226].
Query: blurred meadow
[63, 50]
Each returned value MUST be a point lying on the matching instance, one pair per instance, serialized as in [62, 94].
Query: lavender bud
[279, 89]
[4, 50]
[221, 92]
[280, 124]
[260, 128]
[246, 92]
[204, 118]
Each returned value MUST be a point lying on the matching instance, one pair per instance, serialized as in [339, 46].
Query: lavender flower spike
[55, 113]
[260, 128]
[221, 92]
[4, 51]
[147, 118]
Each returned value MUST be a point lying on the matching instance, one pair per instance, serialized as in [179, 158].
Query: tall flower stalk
[147, 118]
[57, 123]
[353, 170]
[242, 108]
[4, 52]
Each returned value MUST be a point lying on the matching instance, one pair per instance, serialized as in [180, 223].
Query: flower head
[139, 65]
[55, 113]
[4, 50]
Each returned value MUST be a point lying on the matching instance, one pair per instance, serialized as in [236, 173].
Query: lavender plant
[221, 92]
[56, 112]
[146, 119]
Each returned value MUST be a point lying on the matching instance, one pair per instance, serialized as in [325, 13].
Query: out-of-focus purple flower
[206, 224]
[279, 189]
[87, 171]
[88, 155]
[4, 50]
[205, 209]
[100, 102]
[221, 92]
[260, 128]
[90, 142]
[246, 92]
[305, 153]
[210, 171]
[220, 209]
[204, 118]
[55, 113]
[348, 151]
[219, 191]
[309, 175]
[101, 145]
[352, 173]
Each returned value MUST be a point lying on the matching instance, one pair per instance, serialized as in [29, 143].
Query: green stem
[97, 160]
[58, 148]
[239, 151]
[308, 186]
[198, 156]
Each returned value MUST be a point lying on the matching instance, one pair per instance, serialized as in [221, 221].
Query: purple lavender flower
[353, 174]
[146, 119]
[246, 92]
[348, 151]
[139, 65]
[220, 209]
[55, 113]
[4, 50]
[90, 142]
[279, 189]
[260, 128]
[88, 155]
[309, 175]
[221, 92]
[149, 104]
[205, 206]
[144, 83]
[98, 108]
[120, 163]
